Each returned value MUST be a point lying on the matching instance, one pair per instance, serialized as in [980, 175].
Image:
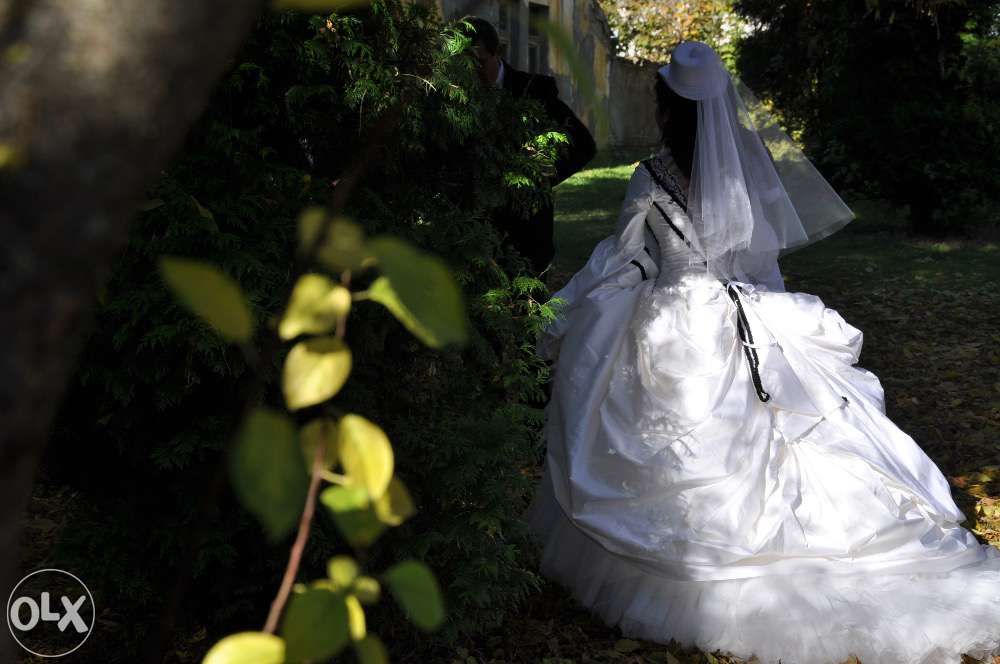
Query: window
[538, 47]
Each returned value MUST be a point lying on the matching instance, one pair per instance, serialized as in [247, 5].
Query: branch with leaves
[342, 460]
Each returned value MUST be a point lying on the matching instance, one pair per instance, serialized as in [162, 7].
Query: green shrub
[892, 98]
[156, 394]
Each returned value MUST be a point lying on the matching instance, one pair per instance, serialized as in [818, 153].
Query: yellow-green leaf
[319, 432]
[10, 156]
[323, 584]
[268, 472]
[342, 570]
[381, 291]
[203, 211]
[355, 618]
[371, 650]
[315, 370]
[343, 247]
[316, 304]
[16, 53]
[366, 589]
[420, 291]
[211, 294]
[353, 513]
[416, 590]
[315, 626]
[247, 648]
[395, 505]
[365, 453]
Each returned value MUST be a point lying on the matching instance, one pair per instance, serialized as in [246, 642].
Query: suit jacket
[533, 236]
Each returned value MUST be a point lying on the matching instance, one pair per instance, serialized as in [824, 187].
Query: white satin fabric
[676, 504]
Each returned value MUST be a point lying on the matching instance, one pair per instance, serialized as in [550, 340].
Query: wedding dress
[719, 472]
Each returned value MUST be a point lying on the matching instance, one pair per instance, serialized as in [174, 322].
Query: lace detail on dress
[666, 180]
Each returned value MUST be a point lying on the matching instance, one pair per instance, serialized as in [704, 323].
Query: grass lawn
[930, 312]
[587, 207]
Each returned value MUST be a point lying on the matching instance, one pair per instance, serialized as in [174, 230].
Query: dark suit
[532, 236]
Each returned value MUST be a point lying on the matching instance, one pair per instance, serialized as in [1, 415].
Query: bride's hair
[682, 124]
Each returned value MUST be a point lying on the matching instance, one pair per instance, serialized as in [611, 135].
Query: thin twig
[295, 557]
[424, 80]
[319, 473]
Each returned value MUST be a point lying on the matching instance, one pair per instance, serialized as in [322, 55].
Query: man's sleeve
[581, 147]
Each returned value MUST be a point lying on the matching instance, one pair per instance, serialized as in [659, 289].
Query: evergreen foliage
[157, 394]
[894, 98]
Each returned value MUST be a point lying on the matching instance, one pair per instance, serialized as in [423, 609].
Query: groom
[531, 236]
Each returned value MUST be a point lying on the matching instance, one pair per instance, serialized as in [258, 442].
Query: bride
[718, 472]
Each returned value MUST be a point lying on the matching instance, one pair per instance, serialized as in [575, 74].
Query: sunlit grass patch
[587, 206]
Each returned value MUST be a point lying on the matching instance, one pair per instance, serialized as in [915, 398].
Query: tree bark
[95, 96]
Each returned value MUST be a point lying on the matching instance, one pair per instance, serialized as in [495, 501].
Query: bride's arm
[614, 254]
[611, 262]
[631, 219]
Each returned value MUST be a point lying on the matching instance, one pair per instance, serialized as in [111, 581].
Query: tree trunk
[95, 96]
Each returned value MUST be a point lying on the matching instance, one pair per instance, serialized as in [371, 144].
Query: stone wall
[586, 23]
[632, 113]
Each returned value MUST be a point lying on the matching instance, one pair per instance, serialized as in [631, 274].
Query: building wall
[621, 112]
[632, 115]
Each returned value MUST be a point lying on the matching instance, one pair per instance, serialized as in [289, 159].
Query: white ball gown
[677, 503]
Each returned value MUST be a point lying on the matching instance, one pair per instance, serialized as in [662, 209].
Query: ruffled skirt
[746, 492]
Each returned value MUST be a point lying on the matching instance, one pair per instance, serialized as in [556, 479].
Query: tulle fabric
[812, 618]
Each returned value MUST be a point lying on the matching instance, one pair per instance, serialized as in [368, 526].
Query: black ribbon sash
[732, 289]
[746, 338]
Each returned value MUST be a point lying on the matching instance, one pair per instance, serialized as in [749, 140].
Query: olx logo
[50, 613]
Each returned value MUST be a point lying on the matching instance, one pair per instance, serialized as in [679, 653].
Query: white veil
[753, 195]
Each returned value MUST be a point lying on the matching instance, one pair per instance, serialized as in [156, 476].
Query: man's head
[485, 48]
